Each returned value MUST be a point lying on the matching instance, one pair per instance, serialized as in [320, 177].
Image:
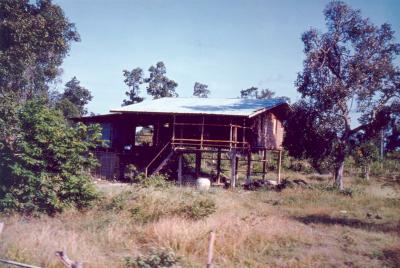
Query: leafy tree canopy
[159, 85]
[255, 93]
[77, 95]
[348, 68]
[46, 168]
[133, 79]
[200, 90]
[34, 40]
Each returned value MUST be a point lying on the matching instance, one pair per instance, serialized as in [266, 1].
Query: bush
[199, 209]
[158, 258]
[46, 167]
[157, 180]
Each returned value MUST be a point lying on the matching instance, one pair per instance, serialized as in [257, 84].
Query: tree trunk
[339, 175]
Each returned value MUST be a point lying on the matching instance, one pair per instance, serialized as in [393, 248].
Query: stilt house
[151, 133]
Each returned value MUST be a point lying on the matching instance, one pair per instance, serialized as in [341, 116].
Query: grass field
[312, 226]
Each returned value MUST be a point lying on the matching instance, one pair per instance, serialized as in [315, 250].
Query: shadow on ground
[354, 223]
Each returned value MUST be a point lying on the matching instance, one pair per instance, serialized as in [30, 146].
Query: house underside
[152, 135]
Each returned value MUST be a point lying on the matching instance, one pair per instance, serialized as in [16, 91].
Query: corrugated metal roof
[237, 107]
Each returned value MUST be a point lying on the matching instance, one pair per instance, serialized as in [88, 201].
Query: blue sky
[228, 45]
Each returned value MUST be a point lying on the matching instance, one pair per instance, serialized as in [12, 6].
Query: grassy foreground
[297, 227]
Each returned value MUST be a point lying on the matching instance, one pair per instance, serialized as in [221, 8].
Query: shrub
[199, 209]
[157, 180]
[157, 258]
[45, 169]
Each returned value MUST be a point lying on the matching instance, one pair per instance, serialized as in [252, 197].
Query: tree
[393, 130]
[250, 93]
[364, 154]
[200, 90]
[348, 68]
[159, 85]
[133, 79]
[76, 95]
[265, 94]
[47, 168]
[254, 93]
[35, 38]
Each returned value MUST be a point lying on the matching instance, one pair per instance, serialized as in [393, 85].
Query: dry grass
[293, 228]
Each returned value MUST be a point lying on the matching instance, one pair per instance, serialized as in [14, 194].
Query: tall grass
[298, 227]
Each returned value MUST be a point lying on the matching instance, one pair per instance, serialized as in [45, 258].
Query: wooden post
[236, 169]
[202, 134]
[233, 168]
[210, 250]
[264, 163]
[219, 166]
[180, 168]
[230, 136]
[173, 130]
[248, 172]
[67, 261]
[279, 166]
[198, 164]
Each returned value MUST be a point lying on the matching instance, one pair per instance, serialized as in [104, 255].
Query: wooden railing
[164, 149]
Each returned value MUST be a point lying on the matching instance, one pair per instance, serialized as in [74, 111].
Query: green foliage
[35, 37]
[77, 95]
[46, 167]
[159, 85]
[200, 90]
[157, 259]
[133, 79]
[157, 180]
[199, 209]
[67, 108]
[338, 78]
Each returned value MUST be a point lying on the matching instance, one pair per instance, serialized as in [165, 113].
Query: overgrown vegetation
[312, 226]
[46, 170]
[157, 259]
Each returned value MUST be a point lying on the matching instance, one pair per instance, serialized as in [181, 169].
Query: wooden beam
[202, 134]
[279, 166]
[180, 168]
[248, 171]
[67, 261]
[233, 168]
[173, 129]
[198, 164]
[264, 167]
[219, 166]
[210, 250]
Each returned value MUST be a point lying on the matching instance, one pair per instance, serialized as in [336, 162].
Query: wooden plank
[210, 252]
[198, 164]
[233, 168]
[219, 166]
[279, 166]
[248, 171]
[180, 168]
[264, 168]
[202, 134]
[173, 129]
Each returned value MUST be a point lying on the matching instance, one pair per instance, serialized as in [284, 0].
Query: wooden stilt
[248, 171]
[198, 164]
[279, 166]
[264, 164]
[236, 169]
[219, 166]
[180, 169]
[233, 168]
